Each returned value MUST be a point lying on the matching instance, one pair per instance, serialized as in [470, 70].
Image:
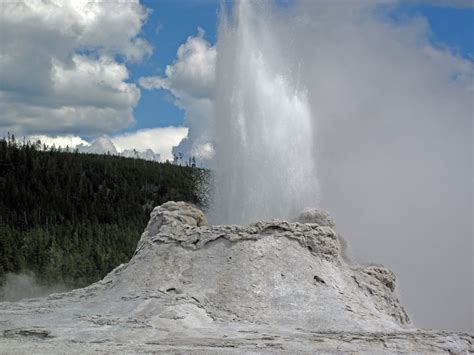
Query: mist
[362, 116]
[16, 287]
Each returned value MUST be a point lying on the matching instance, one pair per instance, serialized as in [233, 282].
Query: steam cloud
[389, 130]
[16, 287]
[390, 133]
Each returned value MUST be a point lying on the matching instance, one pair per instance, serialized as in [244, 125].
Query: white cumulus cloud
[60, 69]
[191, 80]
[159, 140]
[192, 74]
[67, 141]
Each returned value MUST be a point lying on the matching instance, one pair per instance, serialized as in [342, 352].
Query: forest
[70, 218]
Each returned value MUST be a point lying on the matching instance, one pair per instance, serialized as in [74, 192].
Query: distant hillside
[71, 218]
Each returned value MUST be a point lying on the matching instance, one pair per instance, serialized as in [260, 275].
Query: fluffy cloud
[61, 69]
[191, 80]
[193, 72]
[160, 140]
[142, 143]
[59, 141]
[100, 145]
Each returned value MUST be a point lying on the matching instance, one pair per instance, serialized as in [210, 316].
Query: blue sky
[450, 26]
[171, 22]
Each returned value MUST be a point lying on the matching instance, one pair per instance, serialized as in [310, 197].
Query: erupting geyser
[338, 105]
[265, 164]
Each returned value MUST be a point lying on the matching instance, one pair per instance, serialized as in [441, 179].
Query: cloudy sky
[70, 70]
[139, 72]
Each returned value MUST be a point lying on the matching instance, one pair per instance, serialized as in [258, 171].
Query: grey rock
[313, 215]
[272, 286]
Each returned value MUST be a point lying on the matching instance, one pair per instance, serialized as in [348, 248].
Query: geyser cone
[276, 272]
[278, 285]
[264, 136]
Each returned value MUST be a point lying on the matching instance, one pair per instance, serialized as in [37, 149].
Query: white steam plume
[385, 116]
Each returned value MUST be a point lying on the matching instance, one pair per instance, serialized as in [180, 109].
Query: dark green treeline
[71, 218]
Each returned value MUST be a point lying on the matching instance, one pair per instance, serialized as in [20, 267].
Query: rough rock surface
[272, 286]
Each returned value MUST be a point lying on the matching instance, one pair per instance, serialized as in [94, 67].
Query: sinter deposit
[270, 286]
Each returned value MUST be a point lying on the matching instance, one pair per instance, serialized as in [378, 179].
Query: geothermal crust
[273, 286]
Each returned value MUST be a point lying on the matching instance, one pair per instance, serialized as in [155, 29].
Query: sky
[71, 72]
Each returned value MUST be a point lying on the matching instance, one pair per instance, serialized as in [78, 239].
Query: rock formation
[270, 286]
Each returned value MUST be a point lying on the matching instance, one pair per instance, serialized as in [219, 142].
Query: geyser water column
[264, 164]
